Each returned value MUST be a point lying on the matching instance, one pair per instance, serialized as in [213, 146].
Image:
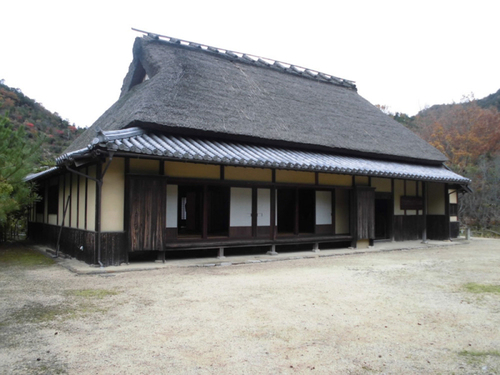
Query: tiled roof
[140, 141]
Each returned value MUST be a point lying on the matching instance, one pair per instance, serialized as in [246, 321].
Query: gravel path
[400, 312]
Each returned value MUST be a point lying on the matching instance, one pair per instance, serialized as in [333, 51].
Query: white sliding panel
[172, 206]
[263, 207]
[241, 207]
[323, 207]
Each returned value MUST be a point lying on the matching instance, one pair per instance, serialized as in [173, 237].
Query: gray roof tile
[135, 140]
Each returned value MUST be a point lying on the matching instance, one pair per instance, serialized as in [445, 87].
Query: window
[190, 211]
[453, 209]
[296, 211]
[53, 200]
[193, 200]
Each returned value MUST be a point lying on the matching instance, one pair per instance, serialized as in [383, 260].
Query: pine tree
[17, 160]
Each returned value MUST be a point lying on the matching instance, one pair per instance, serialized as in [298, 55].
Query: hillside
[25, 112]
[492, 100]
[468, 133]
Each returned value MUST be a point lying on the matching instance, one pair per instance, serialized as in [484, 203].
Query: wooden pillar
[126, 208]
[254, 212]
[353, 229]
[205, 212]
[447, 235]
[272, 251]
[296, 224]
[98, 174]
[392, 211]
[424, 197]
[86, 195]
[220, 253]
[273, 213]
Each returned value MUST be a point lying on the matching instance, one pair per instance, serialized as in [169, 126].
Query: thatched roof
[202, 91]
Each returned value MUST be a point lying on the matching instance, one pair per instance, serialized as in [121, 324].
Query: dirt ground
[422, 311]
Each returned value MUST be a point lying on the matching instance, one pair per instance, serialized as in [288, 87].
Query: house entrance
[190, 211]
[203, 210]
[296, 211]
[147, 213]
[382, 217]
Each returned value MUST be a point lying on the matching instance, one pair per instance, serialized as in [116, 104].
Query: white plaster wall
[81, 200]
[66, 195]
[399, 191]
[113, 193]
[91, 199]
[60, 207]
[172, 191]
[323, 207]
[382, 185]
[263, 207]
[74, 199]
[435, 199]
[453, 196]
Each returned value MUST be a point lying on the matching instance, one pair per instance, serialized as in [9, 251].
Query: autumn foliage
[38, 122]
[468, 133]
[464, 133]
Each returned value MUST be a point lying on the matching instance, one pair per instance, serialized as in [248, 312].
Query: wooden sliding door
[147, 213]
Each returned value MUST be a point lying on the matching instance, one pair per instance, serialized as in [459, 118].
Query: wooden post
[126, 208]
[220, 253]
[204, 222]
[296, 223]
[316, 247]
[447, 212]
[392, 211]
[97, 252]
[272, 251]
[424, 196]
[353, 227]
[273, 213]
[254, 212]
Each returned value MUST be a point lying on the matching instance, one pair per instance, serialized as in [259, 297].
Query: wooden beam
[254, 212]
[204, 221]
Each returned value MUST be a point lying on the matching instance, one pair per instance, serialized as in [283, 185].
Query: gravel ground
[398, 312]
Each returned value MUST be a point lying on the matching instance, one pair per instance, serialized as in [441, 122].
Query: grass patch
[38, 313]
[93, 293]
[479, 354]
[482, 288]
[21, 256]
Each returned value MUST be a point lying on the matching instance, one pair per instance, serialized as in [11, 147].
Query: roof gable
[197, 90]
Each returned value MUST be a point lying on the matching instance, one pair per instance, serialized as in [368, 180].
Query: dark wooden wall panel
[437, 227]
[147, 213]
[324, 229]
[454, 229]
[113, 244]
[113, 248]
[408, 228]
[365, 206]
[170, 234]
[263, 231]
[240, 232]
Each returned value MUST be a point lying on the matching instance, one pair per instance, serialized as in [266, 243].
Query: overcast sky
[72, 56]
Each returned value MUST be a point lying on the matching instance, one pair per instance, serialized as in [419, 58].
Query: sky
[72, 56]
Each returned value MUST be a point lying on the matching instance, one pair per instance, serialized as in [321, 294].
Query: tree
[469, 136]
[17, 159]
